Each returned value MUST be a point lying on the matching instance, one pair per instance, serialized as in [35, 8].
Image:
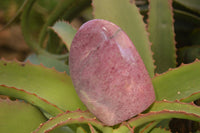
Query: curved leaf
[175, 106]
[186, 16]
[179, 83]
[53, 86]
[31, 98]
[48, 62]
[19, 117]
[146, 128]
[65, 31]
[166, 110]
[193, 97]
[25, 27]
[117, 12]
[161, 31]
[68, 117]
[69, 8]
[162, 115]
[32, 43]
[15, 16]
[190, 4]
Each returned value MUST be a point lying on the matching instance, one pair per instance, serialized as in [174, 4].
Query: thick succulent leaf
[180, 83]
[65, 31]
[26, 25]
[161, 31]
[146, 128]
[73, 117]
[53, 87]
[117, 12]
[175, 106]
[186, 16]
[48, 62]
[68, 8]
[19, 117]
[166, 110]
[190, 4]
[165, 114]
[31, 98]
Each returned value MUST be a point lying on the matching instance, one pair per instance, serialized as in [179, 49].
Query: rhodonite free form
[108, 73]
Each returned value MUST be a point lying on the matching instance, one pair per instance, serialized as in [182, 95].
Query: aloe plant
[55, 92]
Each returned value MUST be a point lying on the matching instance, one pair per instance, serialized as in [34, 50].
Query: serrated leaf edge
[61, 38]
[69, 120]
[35, 95]
[156, 113]
[23, 64]
[185, 98]
[174, 69]
[163, 111]
[174, 41]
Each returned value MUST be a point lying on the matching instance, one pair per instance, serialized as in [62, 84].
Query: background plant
[46, 95]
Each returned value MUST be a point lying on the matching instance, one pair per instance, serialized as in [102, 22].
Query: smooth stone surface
[108, 73]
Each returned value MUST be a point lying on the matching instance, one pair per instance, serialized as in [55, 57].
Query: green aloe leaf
[32, 98]
[166, 110]
[187, 16]
[68, 8]
[58, 11]
[65, 31]
[125, 14]
[12, 20]
[182, 83]
[73, 117]
[26, 79]
[161, 31]
[25, 26]
[146, 128]
[19, 117]
[48, 62]
[190, 4]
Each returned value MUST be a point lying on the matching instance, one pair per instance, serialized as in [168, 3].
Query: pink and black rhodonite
[108, 73]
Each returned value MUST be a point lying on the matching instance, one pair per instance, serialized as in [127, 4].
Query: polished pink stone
[108, 73]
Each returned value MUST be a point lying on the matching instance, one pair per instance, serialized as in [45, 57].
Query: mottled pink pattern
[108, 73]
